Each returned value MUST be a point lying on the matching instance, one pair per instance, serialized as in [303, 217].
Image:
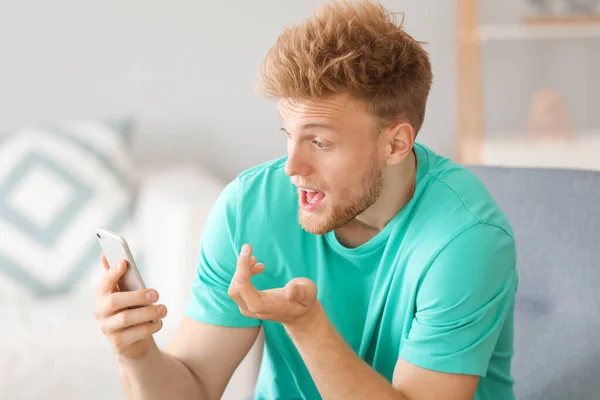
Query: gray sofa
[556, 218]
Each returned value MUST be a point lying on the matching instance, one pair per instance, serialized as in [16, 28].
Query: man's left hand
[292, 304]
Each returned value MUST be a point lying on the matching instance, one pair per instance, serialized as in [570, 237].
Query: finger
[129, 318]
[257, 269]
[111, 278]
[273, 302]
[252, 261]
[251, 297]
[247, 313]
[242, 270]
[121, 300]
[234, 293]
[134, 334]
[243, 288]
[104, 262]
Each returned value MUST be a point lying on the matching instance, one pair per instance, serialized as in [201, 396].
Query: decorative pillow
[56, 185]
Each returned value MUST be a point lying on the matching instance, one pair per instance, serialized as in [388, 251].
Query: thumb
[292, 292]
[111, 278]
[302, 290]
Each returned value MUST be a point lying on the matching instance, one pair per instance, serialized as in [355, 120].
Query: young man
[377, 269]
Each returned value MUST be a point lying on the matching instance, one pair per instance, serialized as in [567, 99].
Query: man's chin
[318, 224]
[315, 224]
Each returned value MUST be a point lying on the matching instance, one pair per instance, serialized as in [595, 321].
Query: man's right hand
[129, 330]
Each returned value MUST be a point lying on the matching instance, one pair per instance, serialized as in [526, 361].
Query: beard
[355, 202]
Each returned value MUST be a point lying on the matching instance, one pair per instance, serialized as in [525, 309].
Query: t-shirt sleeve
[217, 259]
[462, 303]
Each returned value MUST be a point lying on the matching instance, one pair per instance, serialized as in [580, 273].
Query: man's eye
[320, 145]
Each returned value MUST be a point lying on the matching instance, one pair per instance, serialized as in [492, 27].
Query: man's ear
[400, 138]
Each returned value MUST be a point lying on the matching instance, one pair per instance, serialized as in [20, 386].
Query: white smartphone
[115, 249]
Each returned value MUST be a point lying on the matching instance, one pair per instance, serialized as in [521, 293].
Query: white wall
[185, 69]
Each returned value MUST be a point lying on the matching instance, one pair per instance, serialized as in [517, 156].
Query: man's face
[332, 159]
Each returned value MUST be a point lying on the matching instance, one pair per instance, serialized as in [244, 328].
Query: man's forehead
[332, 107]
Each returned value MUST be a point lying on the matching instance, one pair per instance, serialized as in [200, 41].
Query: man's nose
[295, 166]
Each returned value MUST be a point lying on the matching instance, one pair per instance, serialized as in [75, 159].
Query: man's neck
[398, 188]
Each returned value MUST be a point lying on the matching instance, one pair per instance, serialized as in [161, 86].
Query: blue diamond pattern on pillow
[56, 185]
[49, 232]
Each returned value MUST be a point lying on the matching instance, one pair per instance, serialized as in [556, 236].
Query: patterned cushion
[56, 185]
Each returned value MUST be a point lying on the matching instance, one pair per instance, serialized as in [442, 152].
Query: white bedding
[53, 349]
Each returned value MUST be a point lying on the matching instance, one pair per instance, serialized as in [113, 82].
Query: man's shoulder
[265, 193]
[450, 200]
[262, 180]
[271, 168]
[453, 197]
[456, 217]
[253, 181]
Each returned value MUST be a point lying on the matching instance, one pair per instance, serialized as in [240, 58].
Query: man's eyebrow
[313, 125]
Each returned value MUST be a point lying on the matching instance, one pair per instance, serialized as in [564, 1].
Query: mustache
[307, 184]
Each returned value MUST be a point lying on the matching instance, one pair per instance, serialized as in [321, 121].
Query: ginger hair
[354, 48]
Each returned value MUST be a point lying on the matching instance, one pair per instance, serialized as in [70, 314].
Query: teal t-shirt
[436, 286]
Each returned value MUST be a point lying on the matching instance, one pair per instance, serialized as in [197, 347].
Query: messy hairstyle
[354, 48]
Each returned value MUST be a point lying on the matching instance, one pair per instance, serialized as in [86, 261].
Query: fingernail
[245, 249]
[151, 296]
[161, 310]
[120, 266]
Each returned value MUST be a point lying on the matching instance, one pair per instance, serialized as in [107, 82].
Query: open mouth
[311, 199]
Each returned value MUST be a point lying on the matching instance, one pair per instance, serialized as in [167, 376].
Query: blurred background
[528, 87]
[184, 70]
[134, 115]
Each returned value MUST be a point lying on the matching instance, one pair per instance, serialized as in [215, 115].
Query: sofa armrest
[173, 206]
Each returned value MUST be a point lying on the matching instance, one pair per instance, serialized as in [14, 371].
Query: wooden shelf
[473, 145]
[579, 152]
[489, 33]
[563, 21]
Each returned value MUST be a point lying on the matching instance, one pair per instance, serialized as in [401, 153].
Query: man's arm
[197, 364]
[213, 337]
[463, 301]
[337, 371]
[340, 374]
